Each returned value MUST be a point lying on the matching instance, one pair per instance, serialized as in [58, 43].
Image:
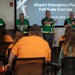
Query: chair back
[9, 50]
[3, 61]
[55, 54]
[3, 47]
[68, 66]
[28, 66]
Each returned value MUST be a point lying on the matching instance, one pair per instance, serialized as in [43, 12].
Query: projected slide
[34, 10]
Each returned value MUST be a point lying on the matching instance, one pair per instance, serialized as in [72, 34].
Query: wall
[59, 32]
[7, 13]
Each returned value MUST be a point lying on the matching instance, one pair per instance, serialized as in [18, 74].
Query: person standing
[70, 21]
[48, 28]
[22, 24]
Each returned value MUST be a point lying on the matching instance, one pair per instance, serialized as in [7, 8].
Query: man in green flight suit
[48, 28]
[2, 22]
[22, 24]
[70, 21]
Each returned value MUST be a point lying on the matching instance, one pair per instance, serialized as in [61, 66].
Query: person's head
[67, 32]
[18, 35]
[47, 13]
[2, 33]
[21, 16]
[35, 30]
[71, 15]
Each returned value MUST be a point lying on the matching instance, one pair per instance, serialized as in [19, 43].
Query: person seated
[3, 36]
[31, 46]
[22, 23]
[2, 23]
[68, 50]
[63, 38]
[18, 36]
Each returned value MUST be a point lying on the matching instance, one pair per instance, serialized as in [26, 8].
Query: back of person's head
[18, 35]
[2, 33]
[35, 30]
[67, 31]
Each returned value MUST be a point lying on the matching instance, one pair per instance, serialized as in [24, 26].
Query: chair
[54, 60]
[28, 66]
[4, 61]
[4, 46]
[55, 54]
[3, 49]
[9, 50]
[68, 66]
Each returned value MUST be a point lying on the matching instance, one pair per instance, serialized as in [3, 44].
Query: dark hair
[67, 31]
[19, 34]
[2, 34]
[35, 30]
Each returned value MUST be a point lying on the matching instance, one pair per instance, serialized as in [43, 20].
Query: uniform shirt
[25, 22]
[31, 47]
[2, 22]
[48, 28]
[69, 21]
